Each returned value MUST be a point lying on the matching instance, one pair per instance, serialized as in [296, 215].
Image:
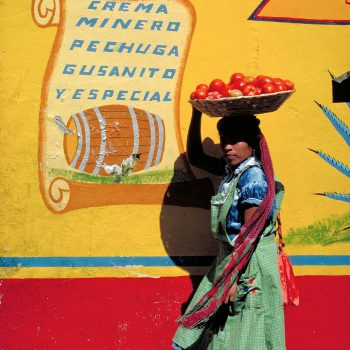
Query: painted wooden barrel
[107, 135]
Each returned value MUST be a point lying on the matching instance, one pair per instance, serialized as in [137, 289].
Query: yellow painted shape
[133, 230]
[321, 270]
[147, 272]
[320, 9]
[120, 272]
[333, 249]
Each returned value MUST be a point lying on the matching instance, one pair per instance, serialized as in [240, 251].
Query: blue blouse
[250, 191]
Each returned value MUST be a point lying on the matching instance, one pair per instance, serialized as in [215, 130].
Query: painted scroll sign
[109, 116]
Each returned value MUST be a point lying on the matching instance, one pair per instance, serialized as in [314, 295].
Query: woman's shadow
[185, 219]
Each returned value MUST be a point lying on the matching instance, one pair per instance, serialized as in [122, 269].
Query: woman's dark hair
[241, 128]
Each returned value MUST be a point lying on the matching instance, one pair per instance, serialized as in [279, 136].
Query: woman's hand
[231, 293]
[196, 112]
[195, 153]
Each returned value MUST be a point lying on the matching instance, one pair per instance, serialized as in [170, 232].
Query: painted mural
[110, 96]
[94, 98]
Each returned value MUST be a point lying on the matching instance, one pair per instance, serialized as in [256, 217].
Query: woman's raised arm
[195, 153]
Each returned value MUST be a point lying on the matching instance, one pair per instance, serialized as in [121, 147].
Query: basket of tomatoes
[242, 95]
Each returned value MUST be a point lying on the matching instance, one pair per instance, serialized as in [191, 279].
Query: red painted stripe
[304, 20]
[256, 15]
[140, 313]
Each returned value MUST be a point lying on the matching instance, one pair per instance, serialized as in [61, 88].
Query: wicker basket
[242, 105]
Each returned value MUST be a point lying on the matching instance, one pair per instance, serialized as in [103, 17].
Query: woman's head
[239, 138]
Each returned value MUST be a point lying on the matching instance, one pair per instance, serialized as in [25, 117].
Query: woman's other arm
[247, 214]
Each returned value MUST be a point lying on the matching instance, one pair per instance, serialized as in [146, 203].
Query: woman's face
[234, 150]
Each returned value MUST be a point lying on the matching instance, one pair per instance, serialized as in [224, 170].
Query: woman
[238, 304]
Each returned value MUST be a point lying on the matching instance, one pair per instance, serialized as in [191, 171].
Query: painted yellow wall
[224, 42]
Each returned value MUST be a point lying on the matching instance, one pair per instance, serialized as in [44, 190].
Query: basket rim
[242, 97]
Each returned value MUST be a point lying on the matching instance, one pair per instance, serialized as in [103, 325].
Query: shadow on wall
[185, 222]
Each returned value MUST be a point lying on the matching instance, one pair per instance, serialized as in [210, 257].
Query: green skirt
[255, 319]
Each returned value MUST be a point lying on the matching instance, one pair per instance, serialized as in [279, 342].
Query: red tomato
[280, 87]
[238, 85]
[217, 85]
[249, 90]
[192, 95]
[278, 81]
[289, 84]
[264, 80]
[200, 94]
[258, 91]
[268, 88]
[236, 77]
[250, 80]
[224, 91]
[204, 87]
[214, 95]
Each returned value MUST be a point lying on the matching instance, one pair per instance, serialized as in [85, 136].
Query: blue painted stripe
[101, 156]
[155, 261]
[87, 142]
[80, 141]
[153, 140]
[135, 128]
[161, 140]
[326, 260]
[115, 261]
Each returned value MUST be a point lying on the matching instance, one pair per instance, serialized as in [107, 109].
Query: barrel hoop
[153, 140]
[80, 142]
[135, 128]
[99, 161]
[161, 140]
[87, 142]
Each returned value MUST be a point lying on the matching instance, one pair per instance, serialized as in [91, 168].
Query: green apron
[255, 319]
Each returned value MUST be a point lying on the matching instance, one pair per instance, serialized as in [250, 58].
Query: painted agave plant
[344, 132]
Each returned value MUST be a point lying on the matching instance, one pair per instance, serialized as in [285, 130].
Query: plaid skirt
[255, 319]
